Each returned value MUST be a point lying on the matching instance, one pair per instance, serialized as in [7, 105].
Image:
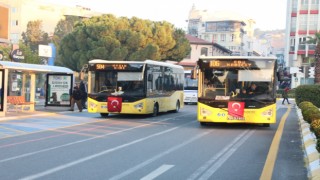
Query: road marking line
[274, 148]
[88, 158]
[157, 172]
[84, 140]
[143, 164]
[14, 130]
[203, 168]
[225, 157]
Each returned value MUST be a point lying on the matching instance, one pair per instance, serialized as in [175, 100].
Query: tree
[29, 56]
[34, 35]
[63, 28]
[110, 38]
[316, 40]
[6, 49]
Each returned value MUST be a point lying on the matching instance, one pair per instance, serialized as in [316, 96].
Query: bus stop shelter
[26, 80]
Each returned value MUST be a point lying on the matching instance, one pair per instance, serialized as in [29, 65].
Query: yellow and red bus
[237, 89]
[134, 87]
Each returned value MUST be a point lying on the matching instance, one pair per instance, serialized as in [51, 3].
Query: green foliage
[315, 127]
[6, 51]
[34, 35]
[29, 56]
[307, 114]
[308, 93]
[110, 38]
[305, 104]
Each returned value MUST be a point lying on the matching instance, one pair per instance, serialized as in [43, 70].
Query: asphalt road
[169, 146]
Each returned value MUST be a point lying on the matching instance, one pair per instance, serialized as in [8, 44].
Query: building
[225, 28]
[302, 22]
[15, 15]
[201, 47]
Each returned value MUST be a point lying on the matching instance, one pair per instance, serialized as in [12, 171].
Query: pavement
[40, 110]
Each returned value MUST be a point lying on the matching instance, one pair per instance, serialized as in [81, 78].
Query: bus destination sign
[230, 64]
[111, 66]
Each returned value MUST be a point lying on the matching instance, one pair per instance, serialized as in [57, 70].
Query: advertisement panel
[58, 89]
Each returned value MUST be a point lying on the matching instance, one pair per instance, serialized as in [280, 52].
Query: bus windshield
[234, 82]
[115, 83]
[190, 84]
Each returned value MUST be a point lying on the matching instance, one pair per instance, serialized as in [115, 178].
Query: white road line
[143, 164]
[157, 172]
[83, 140]
[225, 157]
[88, 158]
[211, 161]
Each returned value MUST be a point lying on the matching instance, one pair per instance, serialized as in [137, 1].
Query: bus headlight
[267, 112]
[205, 112]
[139, 106]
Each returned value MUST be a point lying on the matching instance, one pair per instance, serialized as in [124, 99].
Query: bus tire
[203, 123]
[155, 110]
[177, 107]
[266, 125]
[104, 114]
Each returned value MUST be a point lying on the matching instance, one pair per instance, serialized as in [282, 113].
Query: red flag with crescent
[114, 104]
[236, 109]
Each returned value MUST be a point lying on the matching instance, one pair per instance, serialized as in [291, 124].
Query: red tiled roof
[195, 40]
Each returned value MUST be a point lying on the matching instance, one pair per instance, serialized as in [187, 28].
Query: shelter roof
[33, 67]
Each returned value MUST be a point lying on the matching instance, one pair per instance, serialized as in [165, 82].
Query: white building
[20, 12]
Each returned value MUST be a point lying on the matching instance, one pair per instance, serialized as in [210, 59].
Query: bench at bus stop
[18, 103]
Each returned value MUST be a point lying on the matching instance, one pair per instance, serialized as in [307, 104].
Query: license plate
[235, 118]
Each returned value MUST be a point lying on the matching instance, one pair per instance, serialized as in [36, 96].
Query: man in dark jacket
[84, 92]
[76, 97]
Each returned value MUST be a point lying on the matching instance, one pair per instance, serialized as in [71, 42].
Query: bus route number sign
[111, 66]
[231, 64]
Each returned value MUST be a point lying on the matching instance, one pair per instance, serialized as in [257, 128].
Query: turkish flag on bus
[236, 109]
[114, 104]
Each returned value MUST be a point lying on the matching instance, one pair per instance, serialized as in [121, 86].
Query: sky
[269, 15]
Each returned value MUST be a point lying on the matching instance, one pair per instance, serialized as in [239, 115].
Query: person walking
[76, 97]
[285, 95]
[83, 88]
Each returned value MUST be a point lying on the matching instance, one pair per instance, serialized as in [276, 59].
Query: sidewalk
[40, 110]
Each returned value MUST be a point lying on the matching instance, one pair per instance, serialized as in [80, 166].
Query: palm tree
[316, 41]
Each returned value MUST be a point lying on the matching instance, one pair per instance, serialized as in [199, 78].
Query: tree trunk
[317, 72]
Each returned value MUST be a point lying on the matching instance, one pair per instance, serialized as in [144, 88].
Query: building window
[204, 51]
[214, 38]
[14, 10]
[223, 37]
[294, 6]
[232, 37]
[304, 4]
[303, 23]
[313, 21]
[14, 23]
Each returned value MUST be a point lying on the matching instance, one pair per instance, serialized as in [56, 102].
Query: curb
[309, 146]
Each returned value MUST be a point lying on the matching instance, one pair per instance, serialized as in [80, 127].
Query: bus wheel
[155, 110]
[104, 114]
[266, 125]
[177, 107]
[203, 123]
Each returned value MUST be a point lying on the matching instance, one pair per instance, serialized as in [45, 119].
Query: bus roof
[238, 57]
[152, 62]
